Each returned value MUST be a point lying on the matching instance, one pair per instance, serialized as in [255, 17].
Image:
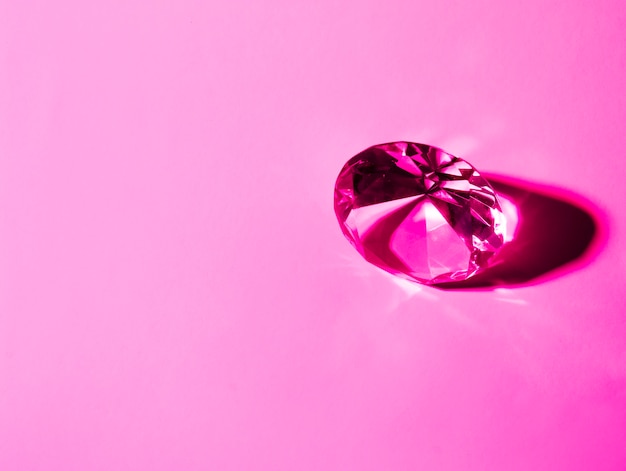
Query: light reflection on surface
[511, 216]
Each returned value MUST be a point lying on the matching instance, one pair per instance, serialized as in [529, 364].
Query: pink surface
[175, 292]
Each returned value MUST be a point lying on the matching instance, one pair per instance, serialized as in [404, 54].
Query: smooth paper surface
[176, 293]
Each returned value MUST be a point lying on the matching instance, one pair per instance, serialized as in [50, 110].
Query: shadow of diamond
[554, 236]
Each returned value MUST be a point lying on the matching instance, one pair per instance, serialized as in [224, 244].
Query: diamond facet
[418, 212]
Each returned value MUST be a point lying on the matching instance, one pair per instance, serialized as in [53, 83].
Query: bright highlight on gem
[418, 212]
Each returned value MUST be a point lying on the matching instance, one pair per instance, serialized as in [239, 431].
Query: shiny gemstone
[418, 212]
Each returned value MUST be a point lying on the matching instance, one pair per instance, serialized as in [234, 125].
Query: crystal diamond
[418, 212]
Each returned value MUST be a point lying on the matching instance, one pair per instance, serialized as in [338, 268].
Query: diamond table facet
[418, 212]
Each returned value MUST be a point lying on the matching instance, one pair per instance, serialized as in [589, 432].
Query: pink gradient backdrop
[175, 292]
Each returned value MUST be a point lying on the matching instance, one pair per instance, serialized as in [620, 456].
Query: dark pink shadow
[557, 233]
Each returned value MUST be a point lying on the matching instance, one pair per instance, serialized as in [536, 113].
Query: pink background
[175, 292]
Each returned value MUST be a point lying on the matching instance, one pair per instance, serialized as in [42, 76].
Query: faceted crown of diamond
[418, 212]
